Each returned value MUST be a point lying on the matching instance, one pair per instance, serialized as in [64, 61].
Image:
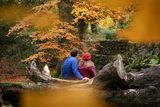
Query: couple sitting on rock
[71, 70]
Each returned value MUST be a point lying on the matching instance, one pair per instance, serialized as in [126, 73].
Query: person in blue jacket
[70, 67]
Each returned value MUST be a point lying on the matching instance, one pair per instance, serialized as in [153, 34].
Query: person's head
[74, 52]
[86, 56]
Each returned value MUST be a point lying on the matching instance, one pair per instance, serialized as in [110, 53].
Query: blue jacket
[70, 69]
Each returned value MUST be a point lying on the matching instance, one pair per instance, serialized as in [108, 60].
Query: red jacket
[87, 69]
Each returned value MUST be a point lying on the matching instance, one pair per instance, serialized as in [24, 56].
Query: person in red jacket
[86, 66]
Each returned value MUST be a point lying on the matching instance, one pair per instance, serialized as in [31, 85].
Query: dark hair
[74, 52]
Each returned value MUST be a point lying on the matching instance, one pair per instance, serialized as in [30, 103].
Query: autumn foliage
[93, 11]
[87, 11]
[53, 37]
[56, 43]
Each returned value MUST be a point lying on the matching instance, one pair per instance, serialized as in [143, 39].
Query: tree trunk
[112, 76]
[82, 29]
[134, 89]
[57, 71]
[65, 9]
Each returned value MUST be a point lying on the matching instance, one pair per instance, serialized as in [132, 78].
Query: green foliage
[140, 57]
[109, 34]
[103, 34]
[154, 60]
[20, 48]
[3, 32]
[122, 24]
[56, 74]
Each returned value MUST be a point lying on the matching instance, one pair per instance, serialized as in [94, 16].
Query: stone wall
[107, 50]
